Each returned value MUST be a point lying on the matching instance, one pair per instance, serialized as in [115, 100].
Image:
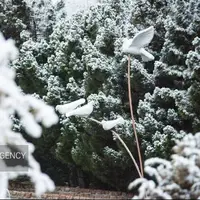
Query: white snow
[30, 111]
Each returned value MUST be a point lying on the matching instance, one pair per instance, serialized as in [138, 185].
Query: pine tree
[170, 111]
[43, 18]
[22, 21]
[88, 63]
[14, 18]
[82, 58]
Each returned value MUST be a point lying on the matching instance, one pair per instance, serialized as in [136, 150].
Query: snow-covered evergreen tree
[88, 62]
[43, 18]
[14, 18]
[82, 58]
[170, 111]
[17, 22]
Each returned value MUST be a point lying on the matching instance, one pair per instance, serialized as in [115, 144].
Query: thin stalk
[130, 154]
[132, 117]
[125, 146]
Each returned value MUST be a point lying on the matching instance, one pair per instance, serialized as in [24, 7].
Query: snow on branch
[31, 111]
[175, 179]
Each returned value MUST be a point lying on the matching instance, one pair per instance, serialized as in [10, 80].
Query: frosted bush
[31, 111]
[175, 179]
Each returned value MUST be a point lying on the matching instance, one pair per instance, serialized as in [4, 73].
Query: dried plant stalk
[132, 117]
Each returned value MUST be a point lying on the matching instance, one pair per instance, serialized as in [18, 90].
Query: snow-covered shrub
[178, 178]
[30, 111]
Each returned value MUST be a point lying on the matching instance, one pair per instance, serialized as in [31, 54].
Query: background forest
[63, 59]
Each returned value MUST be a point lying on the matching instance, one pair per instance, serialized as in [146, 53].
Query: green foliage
[64, 60]
[14, 18]
[93, 67]
[174, 101]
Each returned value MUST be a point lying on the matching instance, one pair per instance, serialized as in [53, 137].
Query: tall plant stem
[132, 116]
[130, 154]
[125, 146]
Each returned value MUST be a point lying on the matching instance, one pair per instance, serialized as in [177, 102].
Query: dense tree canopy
[14, 18]
[81, 57]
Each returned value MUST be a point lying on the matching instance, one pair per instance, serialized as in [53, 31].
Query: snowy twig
[31, 112]
[132, 117]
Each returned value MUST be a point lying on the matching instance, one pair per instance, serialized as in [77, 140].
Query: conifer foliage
[14, 18]
[62, 60]
[170, 111]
